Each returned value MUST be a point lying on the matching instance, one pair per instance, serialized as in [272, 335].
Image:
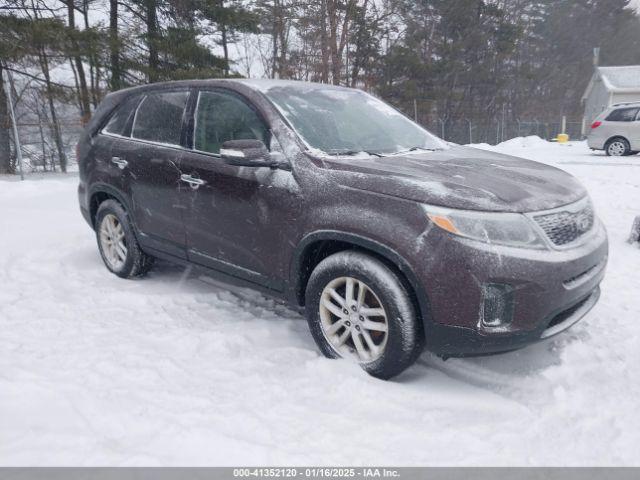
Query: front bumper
[448, 341]
[551, 291]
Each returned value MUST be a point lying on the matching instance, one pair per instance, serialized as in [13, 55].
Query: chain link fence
[467, 131]
[39, 150]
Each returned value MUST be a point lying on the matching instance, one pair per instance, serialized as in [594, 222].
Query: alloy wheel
[113, 242]
[617, 149]
[353, 320]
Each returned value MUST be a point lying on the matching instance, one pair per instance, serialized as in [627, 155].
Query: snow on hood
[462, 177]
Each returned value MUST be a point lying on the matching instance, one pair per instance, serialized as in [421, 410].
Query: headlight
[511, 229]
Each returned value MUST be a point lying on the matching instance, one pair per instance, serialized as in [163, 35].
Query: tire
[128, 261]
[617, 147]
[393, 351]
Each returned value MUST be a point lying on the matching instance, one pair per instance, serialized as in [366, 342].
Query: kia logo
[583, 222]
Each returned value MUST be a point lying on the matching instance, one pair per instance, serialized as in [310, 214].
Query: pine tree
[229, 18]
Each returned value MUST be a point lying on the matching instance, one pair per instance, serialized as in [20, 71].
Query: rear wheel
[359, 309]
[618, 147]
[117, 243]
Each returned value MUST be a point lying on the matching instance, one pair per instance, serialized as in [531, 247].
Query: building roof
[617, 79]
[620, 78]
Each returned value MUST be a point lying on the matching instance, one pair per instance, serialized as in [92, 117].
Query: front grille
[565, 227]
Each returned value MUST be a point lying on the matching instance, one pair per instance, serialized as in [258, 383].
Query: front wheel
[359, 309]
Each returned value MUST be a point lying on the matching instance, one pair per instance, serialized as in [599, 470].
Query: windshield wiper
[348, 153]
[415, 149]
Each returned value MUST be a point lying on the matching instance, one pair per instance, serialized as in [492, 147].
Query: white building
[609, 86]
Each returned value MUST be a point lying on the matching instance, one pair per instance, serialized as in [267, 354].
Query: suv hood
[461, 177]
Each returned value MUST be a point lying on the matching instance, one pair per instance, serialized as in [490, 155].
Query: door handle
[120, 162]
[193, 182]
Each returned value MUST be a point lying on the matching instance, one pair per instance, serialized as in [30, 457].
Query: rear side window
[221, 117]
[623, 115]
[120, 119]
[159, 117]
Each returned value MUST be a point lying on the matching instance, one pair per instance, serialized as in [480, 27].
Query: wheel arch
[101, 192]
[319, 245]
[615, 137]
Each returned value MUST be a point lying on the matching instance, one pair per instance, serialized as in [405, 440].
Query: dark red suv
[331, 200]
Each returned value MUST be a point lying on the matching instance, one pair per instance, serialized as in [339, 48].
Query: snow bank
[532, 141]
[178, 370]
[525, 142]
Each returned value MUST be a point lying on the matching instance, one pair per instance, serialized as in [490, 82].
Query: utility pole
[503, 123]
[16, 139]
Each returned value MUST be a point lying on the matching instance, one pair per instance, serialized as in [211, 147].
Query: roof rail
[625, 103]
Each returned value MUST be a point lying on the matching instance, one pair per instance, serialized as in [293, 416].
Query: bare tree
[5, 140]
[114, 47]
[85, 102]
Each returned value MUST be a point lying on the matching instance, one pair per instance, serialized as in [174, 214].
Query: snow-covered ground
[177, 370]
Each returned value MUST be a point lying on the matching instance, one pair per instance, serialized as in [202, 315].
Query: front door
[237, 215]
[153, 155]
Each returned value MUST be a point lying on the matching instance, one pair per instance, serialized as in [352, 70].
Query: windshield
[344, 122]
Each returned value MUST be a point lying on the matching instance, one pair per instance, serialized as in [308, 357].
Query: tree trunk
[225, 43]
[152, 39]
[338, 41]
[225, 49]
[94, 64]
[85, 102]
[274, 38]
[41, 131]
[44, 64]
[324, 42]
[279, 41]
[282, 62]
[76, 84]
[114, 47]
[5, 127]
[358, 60]
[332, 15]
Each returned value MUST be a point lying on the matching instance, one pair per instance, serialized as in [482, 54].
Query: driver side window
[221, 117]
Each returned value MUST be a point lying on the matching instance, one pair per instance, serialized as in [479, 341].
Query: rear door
[622, 122]
[152, 155]
[108, 146]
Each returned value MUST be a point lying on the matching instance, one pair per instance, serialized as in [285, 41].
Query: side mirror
[249, 153]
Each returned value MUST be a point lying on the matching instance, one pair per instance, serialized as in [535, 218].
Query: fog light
[497, 305]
